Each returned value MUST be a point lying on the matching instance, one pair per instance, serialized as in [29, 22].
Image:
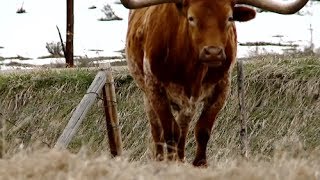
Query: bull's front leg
[183, 121]
[161, 106]
[203, 128]
[156, 129]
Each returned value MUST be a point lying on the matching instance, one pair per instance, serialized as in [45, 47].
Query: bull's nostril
[207, 52]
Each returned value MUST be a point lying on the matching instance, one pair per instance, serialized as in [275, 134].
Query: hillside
[282, 102]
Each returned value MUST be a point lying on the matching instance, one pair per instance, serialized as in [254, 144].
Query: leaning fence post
[243, 121]
[80, 112]
[110, 108]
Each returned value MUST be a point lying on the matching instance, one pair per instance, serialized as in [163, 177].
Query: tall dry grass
[282, 102]
[51, 164]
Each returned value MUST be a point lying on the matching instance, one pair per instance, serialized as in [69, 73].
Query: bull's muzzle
[212, 56]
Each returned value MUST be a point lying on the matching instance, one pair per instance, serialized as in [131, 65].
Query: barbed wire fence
[278, 102]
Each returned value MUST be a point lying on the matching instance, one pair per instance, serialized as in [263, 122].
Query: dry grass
[51, 164]
[282, 100]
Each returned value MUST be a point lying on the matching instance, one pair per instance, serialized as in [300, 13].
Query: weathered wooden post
[110, 108]
[103, 82]
[242, 116]
[70, 33]
[81, 110]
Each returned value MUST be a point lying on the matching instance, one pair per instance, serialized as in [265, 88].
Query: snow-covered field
[26, 34]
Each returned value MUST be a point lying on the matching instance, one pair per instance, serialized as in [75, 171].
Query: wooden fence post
[110, 108]
[81, 110]
[103, 82]
[242, 117]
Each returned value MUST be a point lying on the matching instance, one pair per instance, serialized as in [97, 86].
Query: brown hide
[165, 44]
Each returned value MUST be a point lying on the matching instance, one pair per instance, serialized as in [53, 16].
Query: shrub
[109, 14]
[55, 49]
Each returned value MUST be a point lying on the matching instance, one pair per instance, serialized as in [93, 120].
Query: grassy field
[283, 111]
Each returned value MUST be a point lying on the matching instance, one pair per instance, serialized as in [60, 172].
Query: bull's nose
[212, 55]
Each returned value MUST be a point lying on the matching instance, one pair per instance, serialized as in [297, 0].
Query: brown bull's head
[211, 25]
[210, 21]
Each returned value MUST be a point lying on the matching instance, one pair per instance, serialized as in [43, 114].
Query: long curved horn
[275, 5]
[135, 4]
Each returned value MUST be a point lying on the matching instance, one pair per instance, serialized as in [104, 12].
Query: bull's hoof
[159, 157]
[200, 163]
[181, 160]
[172, 157]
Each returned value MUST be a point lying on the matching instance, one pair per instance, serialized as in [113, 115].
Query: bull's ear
[243, 13]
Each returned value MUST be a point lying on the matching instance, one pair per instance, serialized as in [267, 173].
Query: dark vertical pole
[110, 108]
[110, 130]
[243, 121]
[69, 44]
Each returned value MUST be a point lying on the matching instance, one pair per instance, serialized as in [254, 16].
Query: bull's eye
[190, 19]
[230, 19]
